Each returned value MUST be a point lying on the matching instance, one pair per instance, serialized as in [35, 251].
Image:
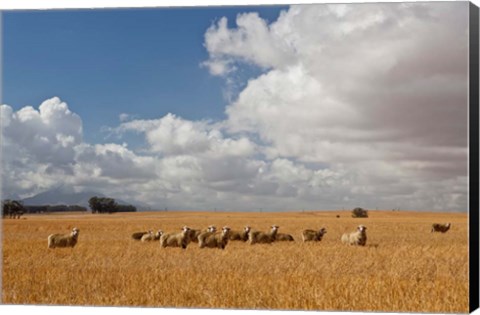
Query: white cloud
[115, 162]
[252, 41]
[44, 148]
[123, 117]
[46, 135]
[171, 135]
[358, 105]
[382, 86]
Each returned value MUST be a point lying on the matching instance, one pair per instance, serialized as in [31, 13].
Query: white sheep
[63, 240]
[437, 227]
[138, 235]
[150, 236]
[147, 236]
[213, 239]
[358, 237]
[263, 237]
[194, 233]
[157, 235]
[181, 239]
[240, 236]
[284, 237]
[312, 235]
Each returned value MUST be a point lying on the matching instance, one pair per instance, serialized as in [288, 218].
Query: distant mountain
[67, 196]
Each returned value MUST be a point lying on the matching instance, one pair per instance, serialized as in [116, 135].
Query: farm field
[403, 268]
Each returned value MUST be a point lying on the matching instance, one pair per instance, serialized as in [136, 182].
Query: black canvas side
[473, 157]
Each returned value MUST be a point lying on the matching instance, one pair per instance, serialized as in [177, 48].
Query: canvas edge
[474, 155]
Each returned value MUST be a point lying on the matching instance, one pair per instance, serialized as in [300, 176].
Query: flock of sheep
[211, 238]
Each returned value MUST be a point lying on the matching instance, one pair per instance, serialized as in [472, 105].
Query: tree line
[14, 209]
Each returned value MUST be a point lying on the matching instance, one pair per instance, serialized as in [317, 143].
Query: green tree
[102, 204]
[12, 208]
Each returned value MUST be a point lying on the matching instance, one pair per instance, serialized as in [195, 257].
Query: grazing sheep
[214, 240]
[176, 239]
[284, 237]
[150, 236]
[195, 233]
[437, 227]
[240, 236]
[312, 235]
[356, 238]
[63, 240]
[138, 235]
[263, 237]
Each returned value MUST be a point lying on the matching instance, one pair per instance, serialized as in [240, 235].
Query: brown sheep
[437, 227]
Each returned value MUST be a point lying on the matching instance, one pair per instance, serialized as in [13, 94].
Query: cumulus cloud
[381, 88]
[172, 135]
[356, 105]
[43, 148]
[45, 135]
[252, 41]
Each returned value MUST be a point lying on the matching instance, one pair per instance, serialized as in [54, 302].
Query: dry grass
[403, 268]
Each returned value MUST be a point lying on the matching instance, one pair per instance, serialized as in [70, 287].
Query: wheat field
[403, 268]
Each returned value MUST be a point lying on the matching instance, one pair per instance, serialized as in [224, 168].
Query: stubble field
[403, 268]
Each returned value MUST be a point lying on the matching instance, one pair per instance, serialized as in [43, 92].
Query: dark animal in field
[443, 228]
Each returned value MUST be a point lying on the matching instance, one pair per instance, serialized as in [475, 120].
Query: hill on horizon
[67, 196]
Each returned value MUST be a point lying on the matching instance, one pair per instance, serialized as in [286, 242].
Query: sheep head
[225, 230]
[75, 231]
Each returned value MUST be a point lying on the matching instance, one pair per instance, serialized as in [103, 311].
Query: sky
[301, 107]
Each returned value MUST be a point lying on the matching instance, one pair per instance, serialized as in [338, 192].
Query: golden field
[403, 268]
